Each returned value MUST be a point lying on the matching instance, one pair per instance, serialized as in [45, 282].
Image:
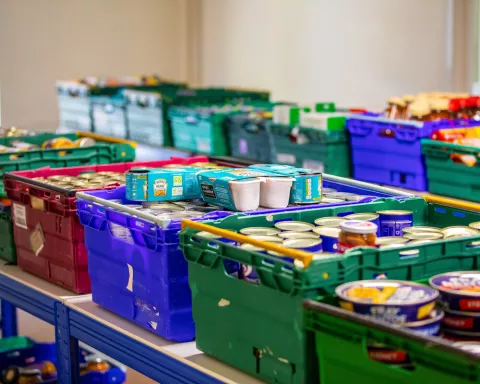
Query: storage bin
[389, 151]
[150, 271]
[259, 328]
[339, 344]
[325, 151]
[22, 351]
[250, 137]
[47, 213]
[447, 174]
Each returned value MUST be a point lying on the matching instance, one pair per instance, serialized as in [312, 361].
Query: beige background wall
[354, 52]
[45, 40]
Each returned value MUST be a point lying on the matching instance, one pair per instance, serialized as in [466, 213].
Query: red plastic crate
[62, 258]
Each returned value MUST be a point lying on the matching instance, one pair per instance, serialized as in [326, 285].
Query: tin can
[328, 190]
[461, 321]
[459, 291]
[389, 240]
[420, 228]
[57, 177]
[393, 301]
[247, 272]
[331, 200]
[420, 242]
[296, 226]
[162, 207]
[339, 195]
[298, 235]
[423, 235]
[331, 221]
[356, 198]
[475, 225]
[469, 346]
[329, 236]
[271, 239]
[87, 176]
[430, 326]
[259, 231]
[367, 216]
[459, 231]
[456, 335]
[392, 222]
[309, 245]
[84, 142]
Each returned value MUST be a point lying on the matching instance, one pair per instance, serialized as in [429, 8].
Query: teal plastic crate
[259, 328]
[325, 151]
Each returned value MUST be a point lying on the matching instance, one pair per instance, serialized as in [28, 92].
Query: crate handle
[304, 257]
[453, 203]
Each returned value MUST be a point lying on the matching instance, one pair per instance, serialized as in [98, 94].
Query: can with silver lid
[329, 236]
[459, 231]
[388, 240]
[331, 200]
[298, 235]
[259, 231]
[328, 190]
[392, 222]
[297, 226]
[339, 195]
[421, 228]
[331, 221]
[366, 216]
[309, 245]
[475, 225]
[423, 235]
[271, 239]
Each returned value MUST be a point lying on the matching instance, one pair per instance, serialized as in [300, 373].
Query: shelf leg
[9, 319]
[67, 348]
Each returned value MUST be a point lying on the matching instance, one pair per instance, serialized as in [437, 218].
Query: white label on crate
[20, 216]
[130, 278]
[312, 164]
[120, 232]
[286, 158]
[37, 240]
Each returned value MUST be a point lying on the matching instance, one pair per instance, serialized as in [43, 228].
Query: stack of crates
[103, 152]
[261, 328]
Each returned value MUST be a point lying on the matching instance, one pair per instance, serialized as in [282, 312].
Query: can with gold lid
[423, 235]
[297, 226]
[259, 231]
[459, 231]
[329, 236]
[420, 228]
[298, 235]
[331, 221]
[388, 240]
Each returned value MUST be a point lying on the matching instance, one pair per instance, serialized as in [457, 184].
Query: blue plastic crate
[33, 353]
[390, 152]
[136, 268]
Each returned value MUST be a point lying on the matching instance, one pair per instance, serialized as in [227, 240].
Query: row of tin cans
[56, 143]
[94, 180]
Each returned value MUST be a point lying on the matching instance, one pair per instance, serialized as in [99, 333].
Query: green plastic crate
[259, 328]
[106, 151]
[450, 178]
[341, 340]
[7, 245]
[326, 151]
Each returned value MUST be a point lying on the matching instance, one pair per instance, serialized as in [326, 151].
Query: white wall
[45, 40]
[354, 52]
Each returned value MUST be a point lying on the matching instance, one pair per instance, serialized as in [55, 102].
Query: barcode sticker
[20, 216]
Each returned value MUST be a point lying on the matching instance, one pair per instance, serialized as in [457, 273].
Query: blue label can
[329, 236]
[392, 222]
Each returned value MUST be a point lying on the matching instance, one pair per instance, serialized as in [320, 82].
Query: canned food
[393, 301]
[423, 235]
[328, 190]
[57, 177]
[59, 142]
[247, 272]
[84, 142]
[454, 334]
[430, 326]
[356, 233]
[87, 176]
[459, 231]
[475, 225]
[339, 195]
[329, 236]
[389, 240]
[419, 242]
[106, 173]
[332, 221]
[298, 235]
[96, 364]
[331, 200]
[161, 207]
[297, 226]
[259, 231]
[367, 216]
[392, 222]
[461, 321]
[356, 198]
[459, 291]
[271, 239]
[420, 228]
[310, 245]
[469, 346]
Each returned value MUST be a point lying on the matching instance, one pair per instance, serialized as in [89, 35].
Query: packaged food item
[275, 191]
[396, 108]
[429, 326]
[459, 291]
[297, 226]
[469, 346]
[372, 217]
[84, 142]
[162, 184]
[356, 233]
[408, 99]
[382, 354]
[329, 236]
[59, 142]
[439, 109]
[270, 239]
[393, 301]
[459, 231]
[392, 222]
[309, 245]
[473, 104]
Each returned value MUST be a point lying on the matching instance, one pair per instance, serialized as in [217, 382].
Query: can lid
[271, 239]
[259, 231]
[390, 240]
[423, 236]
[208, 235]
[459, 231]
[332, 221]
[301, 243]
[362, 216]
[469, 346]
[475, 225]
[465, 283]
[358, 226]
[328, 231]
[394, 212]
[420, 228]
[298, 226]
[298, 235]
[250, 247]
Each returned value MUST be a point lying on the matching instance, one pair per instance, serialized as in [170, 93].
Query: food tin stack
[133, 230]
[20, 150]
[401, 240]
[451, 158]
[311, 136]
[23, 360]
[386, 148]
[49, 238]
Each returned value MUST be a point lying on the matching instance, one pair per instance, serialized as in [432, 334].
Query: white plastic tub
[275, 192]
[246, 194]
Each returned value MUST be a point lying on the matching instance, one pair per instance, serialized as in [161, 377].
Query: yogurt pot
[309, 245]
[393, 301]
[461, 321]
[275, 192]
[246, 194]
[329, 236]
[430, 326]
[459, 291]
